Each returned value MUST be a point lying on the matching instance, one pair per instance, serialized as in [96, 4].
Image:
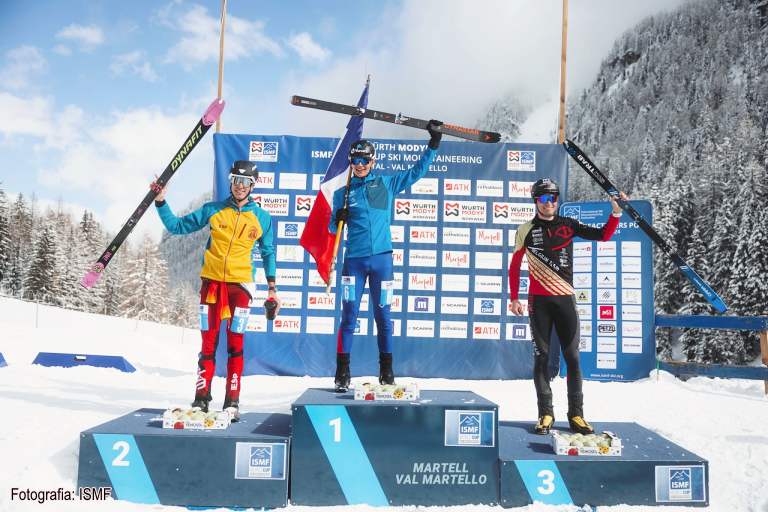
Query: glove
[342, 215]
[434, 135]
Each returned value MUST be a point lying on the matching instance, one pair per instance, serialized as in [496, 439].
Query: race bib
[348, 288]
[240, 320]
[203, 317]
[387, 288]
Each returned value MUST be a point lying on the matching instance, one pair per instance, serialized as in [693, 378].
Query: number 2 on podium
[336, 424]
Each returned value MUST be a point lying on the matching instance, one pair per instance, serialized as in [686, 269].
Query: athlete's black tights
[544, 312]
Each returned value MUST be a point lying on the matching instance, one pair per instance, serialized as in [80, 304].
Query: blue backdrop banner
[453, 234]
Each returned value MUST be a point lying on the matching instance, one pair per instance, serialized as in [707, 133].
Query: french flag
[316, 238]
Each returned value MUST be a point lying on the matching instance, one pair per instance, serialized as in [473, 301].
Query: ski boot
[579, 425]
[202, 402]
[232, 407]
[544, 424]
[386, 375]
[342, 380]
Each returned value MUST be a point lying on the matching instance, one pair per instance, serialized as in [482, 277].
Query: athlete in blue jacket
[368, 215]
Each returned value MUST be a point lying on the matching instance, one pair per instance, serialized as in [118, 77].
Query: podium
[245, 465]
[650, 471]
[439, 450]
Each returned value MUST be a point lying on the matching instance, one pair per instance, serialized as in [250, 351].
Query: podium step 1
[441, 449]
[650, 471]
[245, 465]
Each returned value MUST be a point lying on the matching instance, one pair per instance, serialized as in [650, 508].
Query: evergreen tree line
[678, 115]
[44, 255]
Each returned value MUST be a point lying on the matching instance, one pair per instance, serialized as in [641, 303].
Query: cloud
[87, 36]
[63, 50]
[22, 66]
[133, 62]
[308, 49]
[200, 40]
[35, 117]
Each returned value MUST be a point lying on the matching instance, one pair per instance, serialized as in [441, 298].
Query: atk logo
[403, 207]
[265, 180]
[259, 151]
[451, 209]
[487, 331]
[521, 161]
[321, 301]
[469, 428]
[457, 187]
[607, 312]
[424, 235]
[286, 324]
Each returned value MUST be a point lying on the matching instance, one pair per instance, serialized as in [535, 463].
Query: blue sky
[97, 95]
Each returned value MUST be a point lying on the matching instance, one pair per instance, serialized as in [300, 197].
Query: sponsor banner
[582, 249]
[303, 205]
[512, 213]
[582, 265]
[426, 186]
[291, 230]
[453, 187]
[365, 299]
[487, 306]
[319, 300]
[606, 248]
[631, 296]
[520, 189]
[521, 161]
[263, 151]
[464, 211]
[398, 281]
[321, 324]
[489, 260]
[286, 324]
[265, 180]
[606, 296]
[316, 180]
[418, 281]
[582, 280]
[606, 361]
[397, 304]
[453, 330]
[488, 284]
[290, 253]
[606, 328]
[469, 428]
[256, 323]
[420, 328]
[456, 236]
[454, 305]
[493, 237]
[264, 461]
[631, 265]
[606, 280]
[584, 311]
[585, 343]
[606, 344]
[287, 277]
[423, 235]
[290, 300]
[489, 188]
[292, 181]
[397, 234]
[275, 204]
[631, 313]
[632, 329]
[629, 248]
[518, 332]
[397, 257]
[680, 484]
[606, 264]
[631, 280]
[422, 258]
[524, 283]
[486, 331]
[606, 312]
[454, 283]
[583, 296]
[315, 279]
[455, 259]
[585, 329]
[632, 345]
[416, 209]
[421, 304]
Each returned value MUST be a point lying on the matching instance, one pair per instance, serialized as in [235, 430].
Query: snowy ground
[45, 409]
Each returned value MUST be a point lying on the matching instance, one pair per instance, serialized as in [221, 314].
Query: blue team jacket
[370, 207]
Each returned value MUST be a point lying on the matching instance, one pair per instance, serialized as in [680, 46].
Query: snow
[541, 125]
[45, 409]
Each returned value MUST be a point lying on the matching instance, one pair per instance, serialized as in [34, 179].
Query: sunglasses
[360, 160]
[547, 198]
[243, 181]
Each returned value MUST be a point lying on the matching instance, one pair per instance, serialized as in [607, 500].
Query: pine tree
[5, 240]
[41, 283]
[145, 289]
[693, 341]
[20, 227]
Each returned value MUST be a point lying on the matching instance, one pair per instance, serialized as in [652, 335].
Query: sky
[97, 96]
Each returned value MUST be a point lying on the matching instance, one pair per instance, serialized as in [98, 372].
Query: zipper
[229, 247]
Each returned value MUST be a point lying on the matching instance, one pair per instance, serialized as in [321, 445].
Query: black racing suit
[549, 248]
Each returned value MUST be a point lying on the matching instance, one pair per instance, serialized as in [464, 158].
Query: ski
[712, 297]
[210, 116]
[351, 110]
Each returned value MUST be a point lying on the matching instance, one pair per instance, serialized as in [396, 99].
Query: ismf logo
[262, 151]
[451, 209]
[500, 211]
[487, 306]
[573, 212]
[521, 161]
[260, 462]
[291, 230]
[469, 428]
[403, 207]
[680, 484]
[607, 312]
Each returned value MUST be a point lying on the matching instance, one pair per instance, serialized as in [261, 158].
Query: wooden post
[221, 55]
[764, 353]
[561, 123]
